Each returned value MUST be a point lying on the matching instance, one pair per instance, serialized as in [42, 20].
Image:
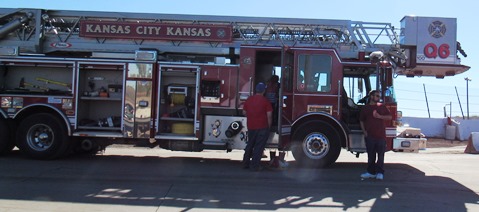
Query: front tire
[6, 143]
[316, 144]
[42, 136]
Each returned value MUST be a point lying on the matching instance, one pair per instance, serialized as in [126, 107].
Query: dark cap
[260, 87]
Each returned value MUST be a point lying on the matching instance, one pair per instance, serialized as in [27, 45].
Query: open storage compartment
[178, 101]
[36, 78]
[100, 96]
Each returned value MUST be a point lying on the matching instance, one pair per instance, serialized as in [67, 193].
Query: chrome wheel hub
[40, 137]
[316, 145]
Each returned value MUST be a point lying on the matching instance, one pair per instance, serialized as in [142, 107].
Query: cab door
[285, 106]
[317, 82]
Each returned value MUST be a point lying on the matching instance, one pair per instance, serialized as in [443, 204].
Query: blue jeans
[375, 146]
[254, 148]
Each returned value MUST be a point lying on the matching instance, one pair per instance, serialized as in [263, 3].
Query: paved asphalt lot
[143, 179]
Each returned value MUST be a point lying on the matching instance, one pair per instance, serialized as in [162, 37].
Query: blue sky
[409, 91]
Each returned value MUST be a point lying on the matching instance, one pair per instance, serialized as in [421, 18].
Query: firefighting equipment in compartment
[177, 95]
[111, 121]
[48, 81]
[182, 128]
[24, 84]
[177, 99]
[182, 113]
[181, 104]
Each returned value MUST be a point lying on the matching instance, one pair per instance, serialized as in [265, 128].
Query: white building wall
[436, 127]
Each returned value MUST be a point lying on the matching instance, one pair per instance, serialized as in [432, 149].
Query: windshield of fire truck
[357, 88]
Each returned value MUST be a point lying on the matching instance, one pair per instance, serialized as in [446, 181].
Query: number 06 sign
[431, 50]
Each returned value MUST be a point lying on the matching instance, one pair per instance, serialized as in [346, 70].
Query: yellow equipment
[54, 82]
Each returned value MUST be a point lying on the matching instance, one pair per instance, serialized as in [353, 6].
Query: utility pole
[427, 103]
[459, 101]
[467, 94]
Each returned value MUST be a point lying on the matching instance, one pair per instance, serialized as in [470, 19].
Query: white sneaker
[379, 176]
[368, 175]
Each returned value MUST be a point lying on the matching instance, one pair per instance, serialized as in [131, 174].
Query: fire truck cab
[76, 80]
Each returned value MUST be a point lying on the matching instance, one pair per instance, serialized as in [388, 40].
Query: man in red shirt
[372, 118]
[258, 111]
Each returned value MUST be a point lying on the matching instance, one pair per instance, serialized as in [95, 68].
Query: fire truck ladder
[46, 31]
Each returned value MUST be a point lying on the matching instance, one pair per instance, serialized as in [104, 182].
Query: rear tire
[6, 142]
[42, 136]
[316, 144]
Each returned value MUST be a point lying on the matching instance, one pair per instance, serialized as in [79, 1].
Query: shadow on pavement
[193, 182]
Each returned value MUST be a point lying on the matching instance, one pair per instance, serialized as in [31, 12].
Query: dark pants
[373, 147]
[254, 148]
[275, 117]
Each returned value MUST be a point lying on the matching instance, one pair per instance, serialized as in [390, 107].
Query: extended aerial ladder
[55, 31]
[165, 78]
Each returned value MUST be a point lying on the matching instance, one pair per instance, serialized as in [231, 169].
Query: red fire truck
[78, 79]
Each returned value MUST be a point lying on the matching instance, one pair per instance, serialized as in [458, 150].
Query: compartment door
[138, 95]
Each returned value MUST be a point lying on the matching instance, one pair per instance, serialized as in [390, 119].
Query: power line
[418, 108]
[422, 100]
[435, 111]
[449, 94]
[453, 111]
